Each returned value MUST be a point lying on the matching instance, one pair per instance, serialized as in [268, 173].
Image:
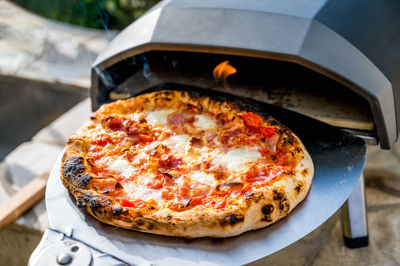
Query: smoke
[105, 77]
[147, 73]
[104, 19]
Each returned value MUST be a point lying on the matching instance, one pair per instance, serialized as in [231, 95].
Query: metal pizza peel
[338, 161]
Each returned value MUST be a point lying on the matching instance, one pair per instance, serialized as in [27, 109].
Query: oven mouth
[281, 83]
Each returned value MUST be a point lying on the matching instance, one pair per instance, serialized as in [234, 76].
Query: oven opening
[285, 84]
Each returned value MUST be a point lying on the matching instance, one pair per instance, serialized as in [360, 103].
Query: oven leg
[354, 217]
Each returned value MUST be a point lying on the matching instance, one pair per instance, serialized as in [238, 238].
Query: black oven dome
[309, 33]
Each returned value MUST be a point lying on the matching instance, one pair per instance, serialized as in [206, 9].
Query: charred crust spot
[93, 118]
[278, 195]
[255, 196]
[266, 218]
[69, 141]
[267, 209]
[118, 185]
[86, 198]
[150, 226]
[140, 222]
[282, 201]
[84, 180]
[169, 217]
[234, 219]
[304, 172]
[73, 170]
[80, 204]
[96, 203]
[289, 139]
[117, 210]
[299, 187]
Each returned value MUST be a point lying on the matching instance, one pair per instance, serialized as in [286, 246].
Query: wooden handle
[23, 200]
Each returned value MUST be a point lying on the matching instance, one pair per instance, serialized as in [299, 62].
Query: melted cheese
[122, 166]
[204, 123]
[142, 192]
[177, 143]
[204, 178]
[236, 158]
[180, 181]
[157, 118]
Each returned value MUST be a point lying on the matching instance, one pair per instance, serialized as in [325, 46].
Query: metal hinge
[56, 248]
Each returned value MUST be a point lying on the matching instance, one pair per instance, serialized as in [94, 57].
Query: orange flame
[222, 71]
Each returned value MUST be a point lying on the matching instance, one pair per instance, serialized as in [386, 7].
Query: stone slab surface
[57, 132]
[35, 48]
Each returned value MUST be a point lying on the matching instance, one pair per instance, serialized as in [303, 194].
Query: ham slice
[180, 119]
[271, 142]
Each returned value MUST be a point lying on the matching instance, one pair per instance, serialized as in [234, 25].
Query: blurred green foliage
[109, 14]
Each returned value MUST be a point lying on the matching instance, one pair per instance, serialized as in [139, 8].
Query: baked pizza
[182, 164]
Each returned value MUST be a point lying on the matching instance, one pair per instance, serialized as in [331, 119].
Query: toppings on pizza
[162, 153]
[180, 154]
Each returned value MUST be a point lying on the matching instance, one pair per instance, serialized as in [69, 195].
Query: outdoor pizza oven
[314, 48]
[335, 64]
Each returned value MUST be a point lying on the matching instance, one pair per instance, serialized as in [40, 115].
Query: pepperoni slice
[267, 132]
[137, 204]
[114, 123]
[252, 121]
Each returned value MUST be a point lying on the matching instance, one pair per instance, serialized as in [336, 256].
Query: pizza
[183, 164]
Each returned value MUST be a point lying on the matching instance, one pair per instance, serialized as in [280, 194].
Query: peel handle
[23, 200]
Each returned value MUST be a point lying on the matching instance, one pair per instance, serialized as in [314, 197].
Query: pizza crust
[262, 208]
